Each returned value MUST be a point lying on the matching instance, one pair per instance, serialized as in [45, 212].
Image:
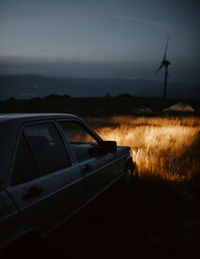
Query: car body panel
[104, 170]
[11, 220]
[55, 202]
[44, 203]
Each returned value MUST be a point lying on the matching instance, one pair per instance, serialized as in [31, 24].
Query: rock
[143, 110]
[179, 107]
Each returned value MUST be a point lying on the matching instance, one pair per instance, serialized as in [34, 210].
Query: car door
[99, 170]
[45, 185]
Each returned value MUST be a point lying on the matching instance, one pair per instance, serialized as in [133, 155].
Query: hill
[32, 86]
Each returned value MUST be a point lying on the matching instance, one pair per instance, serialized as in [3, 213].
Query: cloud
[145, 22]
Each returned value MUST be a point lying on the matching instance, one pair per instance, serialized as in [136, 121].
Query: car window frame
[84, 126]
[17, 142]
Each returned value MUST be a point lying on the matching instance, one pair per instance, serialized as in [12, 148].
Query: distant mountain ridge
[31, 86]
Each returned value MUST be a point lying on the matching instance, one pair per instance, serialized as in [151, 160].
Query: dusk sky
[100, 38]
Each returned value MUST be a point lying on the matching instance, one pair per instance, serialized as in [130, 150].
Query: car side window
[24, 167]
[47, 147]
[81, 141]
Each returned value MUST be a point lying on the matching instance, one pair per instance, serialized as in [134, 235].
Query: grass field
[164, 147]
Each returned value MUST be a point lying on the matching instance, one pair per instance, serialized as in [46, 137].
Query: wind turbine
[165, 63]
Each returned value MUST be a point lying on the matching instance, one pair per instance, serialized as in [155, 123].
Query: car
[52, 166]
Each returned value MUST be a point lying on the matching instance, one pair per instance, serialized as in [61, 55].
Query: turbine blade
[160, 67]
[165, 53]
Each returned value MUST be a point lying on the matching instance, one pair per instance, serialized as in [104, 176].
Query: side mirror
[108, 147]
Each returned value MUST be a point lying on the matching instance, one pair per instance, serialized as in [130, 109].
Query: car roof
[34, 116]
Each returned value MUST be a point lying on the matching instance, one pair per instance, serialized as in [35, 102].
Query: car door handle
[87, 168]
[32, 192]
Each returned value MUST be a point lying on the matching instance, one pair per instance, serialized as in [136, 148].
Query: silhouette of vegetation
[124, 95]
[93, 107]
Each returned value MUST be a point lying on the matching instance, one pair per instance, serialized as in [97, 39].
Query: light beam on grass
[165, 147]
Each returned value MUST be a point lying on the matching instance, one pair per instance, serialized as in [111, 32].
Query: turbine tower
[165, 63]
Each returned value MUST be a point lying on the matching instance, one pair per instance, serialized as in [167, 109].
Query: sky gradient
[107, 38]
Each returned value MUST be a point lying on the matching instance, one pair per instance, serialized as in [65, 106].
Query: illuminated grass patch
[165, 147]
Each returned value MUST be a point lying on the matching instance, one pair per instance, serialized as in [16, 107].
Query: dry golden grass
[165, 147]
